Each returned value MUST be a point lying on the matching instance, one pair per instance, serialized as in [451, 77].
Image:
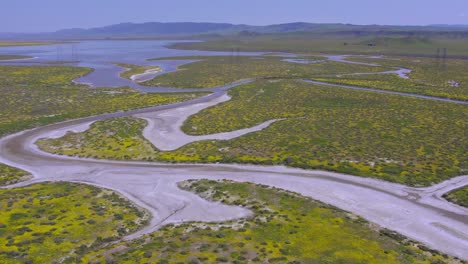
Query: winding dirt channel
[419, 213]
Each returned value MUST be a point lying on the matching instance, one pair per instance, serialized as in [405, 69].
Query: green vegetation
[13, 57]
[115, 138]
[429, 76]
[340, 44]
[215, 71]
[33, 96]
[396, 138]
[132, 69]
[55, 222]
[459, 196]
[435, 77]
[399, 139]
[22, 43]
[286, 228]
[10, 175]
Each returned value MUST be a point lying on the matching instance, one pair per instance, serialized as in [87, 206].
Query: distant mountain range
[184, 29]
[449, 26]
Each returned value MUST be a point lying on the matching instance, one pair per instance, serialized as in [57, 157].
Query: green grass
[459, 196]
[55, 222]
[286, 228]
[122, 141]
[13, 57]
[33, 96]
[428, 77]
[399, 139]
[215, 71]
[132, 69]
[306, 43]
[10, 175]
[24, 43]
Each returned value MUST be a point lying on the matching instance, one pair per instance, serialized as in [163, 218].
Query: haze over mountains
[179, 29]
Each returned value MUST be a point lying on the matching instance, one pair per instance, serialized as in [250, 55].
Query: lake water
[100, 55]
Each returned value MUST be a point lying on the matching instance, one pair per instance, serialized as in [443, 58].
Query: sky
[51, 15]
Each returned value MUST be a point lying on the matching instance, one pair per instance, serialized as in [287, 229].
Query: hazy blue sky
[50, 15]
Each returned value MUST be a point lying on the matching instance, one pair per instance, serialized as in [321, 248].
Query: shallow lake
[100, 54]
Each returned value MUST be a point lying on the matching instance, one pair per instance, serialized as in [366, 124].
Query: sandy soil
[148, 74]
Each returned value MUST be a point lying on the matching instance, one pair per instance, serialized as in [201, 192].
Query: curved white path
[415, 212]
[163, 129]
[400, 72]
[147, 75]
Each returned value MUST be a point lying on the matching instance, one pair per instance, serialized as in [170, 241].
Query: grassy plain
[435, 77]
[132, 69]
[405, 140]
[13, 57]
[10, 175]
[215, 71]
[115, 138]
[429, 76]
[55, 222]
[286, 228]
[33, 96]
[305, 43]
[22, 43]
[399, 139]
[459, 196]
